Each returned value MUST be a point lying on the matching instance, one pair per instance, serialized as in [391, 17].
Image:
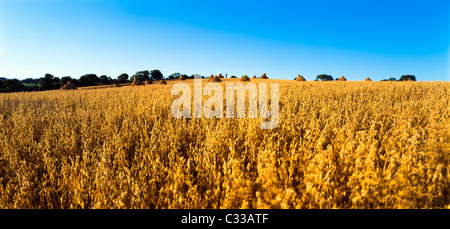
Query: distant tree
[104, 79]
[175, 75]
[12, 85]
[47, 82]
[65, 79]
[56, 83]
[390, 79]
[233, 77]
[407, 78]
[142, 75]
[1, 84]
[89, 79]
[324, 77]
[156, 75]
[76, 82]
[30, 81]
[123, 78]
[35, 87]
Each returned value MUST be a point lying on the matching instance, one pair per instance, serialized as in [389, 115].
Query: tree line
[50, 82]
[325, 77]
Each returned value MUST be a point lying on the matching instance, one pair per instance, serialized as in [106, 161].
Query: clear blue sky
[358, 39]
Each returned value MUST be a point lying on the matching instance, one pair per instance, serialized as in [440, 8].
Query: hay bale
[136, 82]
[245, 78]
[162, 82]
[147, 82]
[342, 78]
[220, 75]
[69, 86]
[264, 76]
[300, 78]
[182, 77]
[254, 77]
[211, 77]
[216, 79]
[367, 79]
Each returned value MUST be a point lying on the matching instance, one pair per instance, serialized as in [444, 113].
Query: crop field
[337, 145]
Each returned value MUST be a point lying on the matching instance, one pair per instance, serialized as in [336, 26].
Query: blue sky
[358, 39]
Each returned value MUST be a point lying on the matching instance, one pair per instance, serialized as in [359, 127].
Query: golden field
[337, 145]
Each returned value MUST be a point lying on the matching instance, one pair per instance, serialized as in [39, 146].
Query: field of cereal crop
[337, 145]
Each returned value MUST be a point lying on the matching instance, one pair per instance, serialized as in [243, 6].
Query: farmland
[337, 145]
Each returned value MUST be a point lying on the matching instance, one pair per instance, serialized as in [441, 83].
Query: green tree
[156, 75]
[175, 76]
[12, 85]
[123, 78]
[30, 81]
[407, 78]
[89, 79]
[56, 83]
[104, 79]
[65, 79]
[390, 79]
[142, 75]
[47, 82]
[76, 82]
[324, 77]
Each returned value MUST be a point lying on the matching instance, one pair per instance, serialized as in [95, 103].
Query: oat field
[337, 145]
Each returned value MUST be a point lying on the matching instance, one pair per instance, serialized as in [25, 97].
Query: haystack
[264, 76]
[220, 75]
[211, 77]
[136, 82]
[342, 78]
[162, 82]
[182, 77]
[367, 79]
[300, 78]
[245, 78]
[216, 79]
[254, 77]
[69, 86]
[147, 82]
